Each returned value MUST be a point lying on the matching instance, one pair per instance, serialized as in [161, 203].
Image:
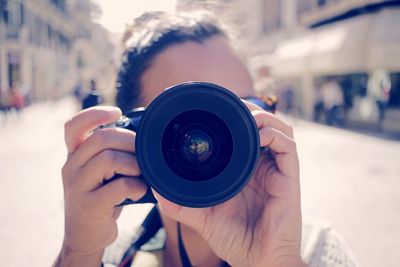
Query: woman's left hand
[261, 226]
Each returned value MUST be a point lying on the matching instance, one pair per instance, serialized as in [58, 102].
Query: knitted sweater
[321, 247]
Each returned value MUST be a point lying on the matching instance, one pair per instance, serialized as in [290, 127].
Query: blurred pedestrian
[287, 99]
[333, 99]
[93, 98]
[5, 103]
[17, 98]
[318, 105]
[77, 93]
[379, 87]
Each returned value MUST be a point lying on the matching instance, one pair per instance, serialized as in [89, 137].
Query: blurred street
[348, 179]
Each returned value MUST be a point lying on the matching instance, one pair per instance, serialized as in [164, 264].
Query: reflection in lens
[197, 145]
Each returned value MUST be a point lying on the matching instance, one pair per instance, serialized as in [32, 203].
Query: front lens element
[197, 145]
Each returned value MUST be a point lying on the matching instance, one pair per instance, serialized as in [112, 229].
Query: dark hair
[150, 34]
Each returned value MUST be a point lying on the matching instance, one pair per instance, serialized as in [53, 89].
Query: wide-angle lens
[197, 145]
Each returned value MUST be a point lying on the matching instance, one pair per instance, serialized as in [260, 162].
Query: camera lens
[197, 145]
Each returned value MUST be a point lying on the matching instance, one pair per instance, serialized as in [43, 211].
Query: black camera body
[197, 144]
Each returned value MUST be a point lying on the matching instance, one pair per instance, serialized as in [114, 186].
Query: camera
[197, 144]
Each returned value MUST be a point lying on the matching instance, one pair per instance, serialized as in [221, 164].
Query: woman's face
[211, 61]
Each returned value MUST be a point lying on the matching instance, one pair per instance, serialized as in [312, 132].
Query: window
[304, 6]
[272, 15]
[4, 10]
[394, 97]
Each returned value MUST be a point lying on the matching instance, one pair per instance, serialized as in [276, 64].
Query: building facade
[44, 46]
[303, 43]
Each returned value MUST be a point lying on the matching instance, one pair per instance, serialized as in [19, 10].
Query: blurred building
[94, 49]
[48, 46]
[355, 42]
[233, 15]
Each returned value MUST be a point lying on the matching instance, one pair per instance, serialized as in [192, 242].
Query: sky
[118, 12]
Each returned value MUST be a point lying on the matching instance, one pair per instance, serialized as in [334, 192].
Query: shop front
[361, 54]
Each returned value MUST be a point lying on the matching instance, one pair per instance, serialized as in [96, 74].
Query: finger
[118, 190]
[189, 216]
[110, 138]
[78, 127]
[284, 148]
[283, 187]
[267, 119]
[251, 106]
[103, 167]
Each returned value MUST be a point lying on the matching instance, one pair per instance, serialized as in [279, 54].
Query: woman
[261, 226]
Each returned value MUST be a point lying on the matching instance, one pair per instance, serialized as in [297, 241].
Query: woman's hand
[261, 226]
[90, 206]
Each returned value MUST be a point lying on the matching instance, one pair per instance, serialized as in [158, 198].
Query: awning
[360, 44]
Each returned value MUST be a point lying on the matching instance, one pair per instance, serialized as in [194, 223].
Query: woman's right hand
[90, 206]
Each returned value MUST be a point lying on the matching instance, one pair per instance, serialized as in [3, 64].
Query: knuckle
[100, 137]
[256, 113]
[293, 145]
[267, 131]
[290, 130]
[67, 124]
[260, 114]
[135, 165]
[123, 185]
[110, 156]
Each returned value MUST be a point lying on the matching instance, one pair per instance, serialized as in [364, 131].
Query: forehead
[210, 61]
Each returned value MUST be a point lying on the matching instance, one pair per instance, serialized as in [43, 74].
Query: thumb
[193, 217]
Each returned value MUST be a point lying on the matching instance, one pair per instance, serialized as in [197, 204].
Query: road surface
[349, 179]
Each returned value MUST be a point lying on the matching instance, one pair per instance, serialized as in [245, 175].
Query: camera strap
[150, 226]
[182, 251]
[183, 254]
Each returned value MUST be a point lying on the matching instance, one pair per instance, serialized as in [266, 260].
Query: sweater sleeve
[322, 246]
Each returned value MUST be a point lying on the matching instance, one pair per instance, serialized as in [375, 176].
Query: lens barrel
[197, 144]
